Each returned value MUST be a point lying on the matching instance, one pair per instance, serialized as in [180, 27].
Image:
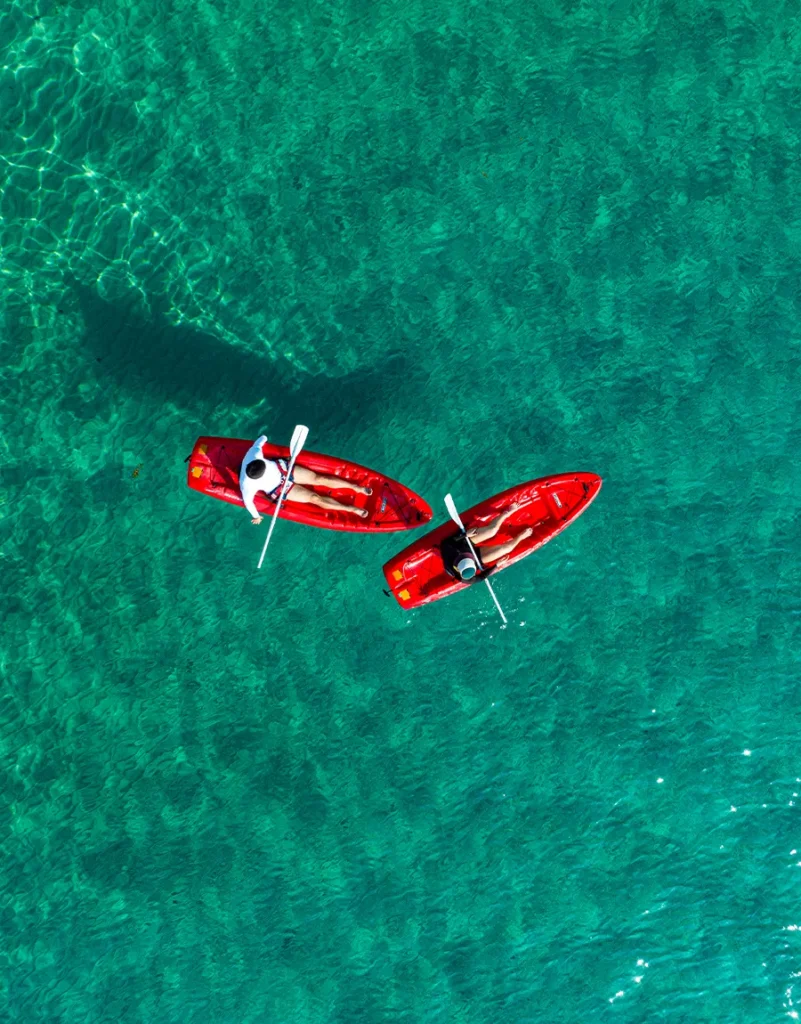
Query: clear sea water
[468, 244]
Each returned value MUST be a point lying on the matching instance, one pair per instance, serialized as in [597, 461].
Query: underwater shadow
[200, 373]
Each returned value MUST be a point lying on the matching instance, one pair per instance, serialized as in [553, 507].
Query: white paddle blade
[269, 534]
[495, 599]
[299, 435]
[451, 507]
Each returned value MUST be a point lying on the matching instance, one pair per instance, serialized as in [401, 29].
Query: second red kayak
[215, 463]
[417, 575]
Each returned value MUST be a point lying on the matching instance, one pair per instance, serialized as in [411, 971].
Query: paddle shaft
[489, 585]
[276, 510]
[299, 436]
[458, 520]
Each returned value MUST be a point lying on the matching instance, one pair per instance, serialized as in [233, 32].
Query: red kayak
[215, 463]
[417, 575]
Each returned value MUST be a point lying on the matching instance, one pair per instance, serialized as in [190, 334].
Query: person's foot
[361, 512]
[367, 490]
[526, 533]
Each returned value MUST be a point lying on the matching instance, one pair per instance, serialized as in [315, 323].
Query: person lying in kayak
[459, 560]
[259, 473]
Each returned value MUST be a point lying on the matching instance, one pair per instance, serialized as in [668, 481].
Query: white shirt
[270, 479]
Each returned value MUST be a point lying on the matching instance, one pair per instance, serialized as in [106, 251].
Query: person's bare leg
[481, 534]
[311, 479]
[307, 497]
[499, 551]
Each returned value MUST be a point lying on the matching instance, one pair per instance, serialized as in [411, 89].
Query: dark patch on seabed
[199, 372]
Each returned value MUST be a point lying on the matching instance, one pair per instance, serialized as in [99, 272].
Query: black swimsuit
[454, 549]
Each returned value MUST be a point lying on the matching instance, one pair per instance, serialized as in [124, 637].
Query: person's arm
[248, 492]
[255, 452]
[248, 496]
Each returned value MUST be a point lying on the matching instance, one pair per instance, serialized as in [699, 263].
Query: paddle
[449, 505]
[299, 435]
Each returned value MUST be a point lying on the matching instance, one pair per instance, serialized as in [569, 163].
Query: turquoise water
[467, 245]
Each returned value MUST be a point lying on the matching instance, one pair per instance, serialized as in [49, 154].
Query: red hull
[214, 470]
[417, 576]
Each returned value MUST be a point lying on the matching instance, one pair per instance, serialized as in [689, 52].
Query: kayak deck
[215, 463]
[417, 575]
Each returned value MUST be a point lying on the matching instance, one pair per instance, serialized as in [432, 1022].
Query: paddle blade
[299, 435]
[495, 599]
[451, 507]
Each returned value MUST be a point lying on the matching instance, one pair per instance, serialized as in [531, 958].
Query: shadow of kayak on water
[212, 379]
